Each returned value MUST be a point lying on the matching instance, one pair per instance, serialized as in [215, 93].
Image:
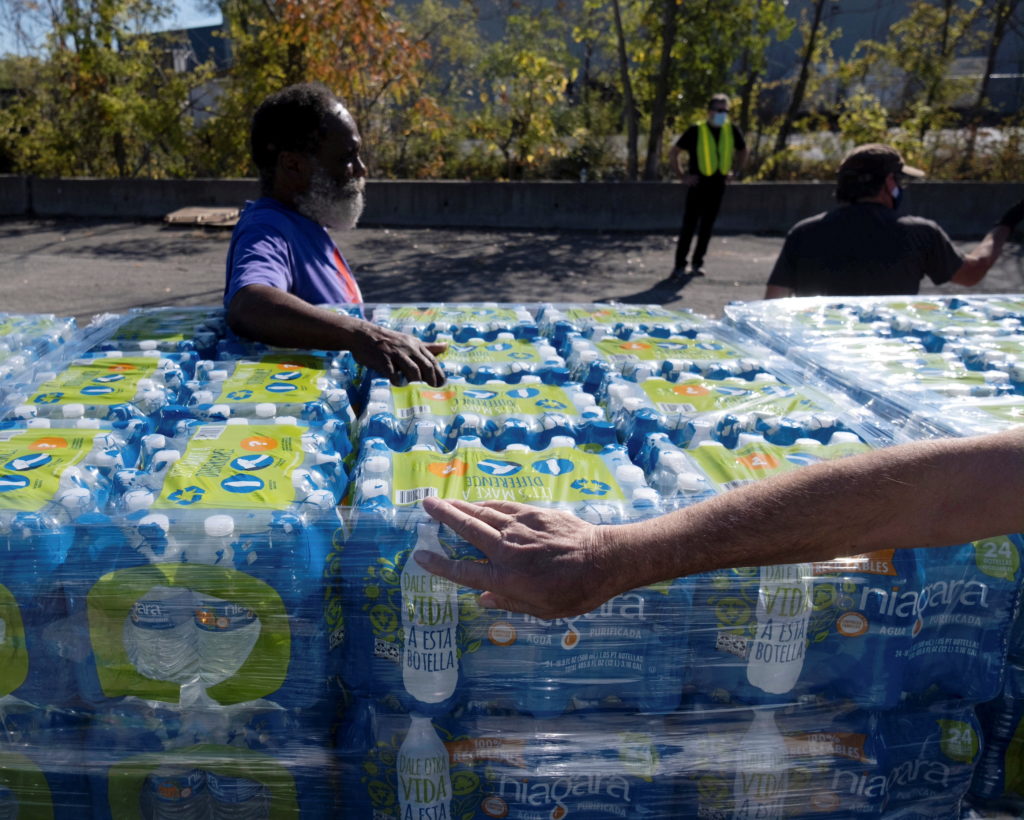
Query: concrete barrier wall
[964, 209]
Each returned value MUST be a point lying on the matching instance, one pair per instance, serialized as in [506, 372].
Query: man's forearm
[920, 495]
[275, 317]
[984, 255]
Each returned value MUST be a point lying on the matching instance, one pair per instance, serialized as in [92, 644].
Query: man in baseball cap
[863, 248]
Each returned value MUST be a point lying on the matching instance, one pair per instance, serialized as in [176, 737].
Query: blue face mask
[897, 197]
[718, 118]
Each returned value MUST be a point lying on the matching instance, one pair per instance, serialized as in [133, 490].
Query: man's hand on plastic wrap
[543, 562]
[395, 355]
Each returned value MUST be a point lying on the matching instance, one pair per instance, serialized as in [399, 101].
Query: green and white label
[450, 314]
[651, 349]
[97, 381]
[167, 327]
[111, 603]
[235, 467]
[625, 315]
[559, 474]
[274, 379]
[755, 461]
[488, 400]
[497, 352]
[697, 395]
[31, 462]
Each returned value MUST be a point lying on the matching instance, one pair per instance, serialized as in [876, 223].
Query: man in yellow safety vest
[716, 151]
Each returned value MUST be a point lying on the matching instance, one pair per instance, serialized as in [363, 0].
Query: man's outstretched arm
[552, 564]
[273, 316]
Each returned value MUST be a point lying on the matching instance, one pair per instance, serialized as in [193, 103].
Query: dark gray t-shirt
[864, 249]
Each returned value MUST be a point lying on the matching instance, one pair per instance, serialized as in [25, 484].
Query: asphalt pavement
[77, 267]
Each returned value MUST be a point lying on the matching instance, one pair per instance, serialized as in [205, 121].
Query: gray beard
[329, 204]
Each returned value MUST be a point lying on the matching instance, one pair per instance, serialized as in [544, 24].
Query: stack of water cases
[941, 365]
[840, 689]
[170, 524]
[28, 342]
[193, 627]
[936, 366]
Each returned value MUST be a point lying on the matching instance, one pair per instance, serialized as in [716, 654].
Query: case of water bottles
[209, 605]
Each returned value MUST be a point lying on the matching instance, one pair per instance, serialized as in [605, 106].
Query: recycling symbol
[590, 486]
[187, 496]
[551, 404]
[239, 395]
[48, 398]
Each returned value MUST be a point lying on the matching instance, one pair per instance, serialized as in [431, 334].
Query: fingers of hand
[463, 520]
[472, 574]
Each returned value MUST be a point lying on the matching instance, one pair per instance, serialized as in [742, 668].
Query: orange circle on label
[636, 346]
[121, 368]
[501, 633]
[48, 443]
[690, 390]
[494, 806]
[851, 624]
[257, 444]
[558, 812]
[289, 366]
[825, 801]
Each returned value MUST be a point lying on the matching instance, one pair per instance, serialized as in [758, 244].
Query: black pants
[702, 203]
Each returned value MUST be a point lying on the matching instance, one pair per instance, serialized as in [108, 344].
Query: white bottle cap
[672, 460]
[690, 483]
[217, 375]
[148, 344]
[219, 526]
[589, 355]
[73, 411]
[505, 336]
[74, 499]
[82, 424]
[138, 499]
[201, 397]
[844, 437]
[645, 497]
[517, 447]
[807, 442]
[237, 421]
[744, 439]
[629, 474]
[469, 441]
[373, 487]
[375, 407]
[563, 441]
[28, 411]
[380, 394]
[154, 441]
[532, 378]
[38, 423]
[283, 420]
[164, 458]
[633, 403]
[617, 390]
[265, 410]
[582, 399]
[376, 464]
[219, 411]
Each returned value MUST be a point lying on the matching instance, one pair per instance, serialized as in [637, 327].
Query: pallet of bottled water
[210, 605]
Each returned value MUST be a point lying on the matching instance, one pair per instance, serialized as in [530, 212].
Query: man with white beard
[282, 262]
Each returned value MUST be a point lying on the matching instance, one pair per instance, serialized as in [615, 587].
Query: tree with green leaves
[107, 100]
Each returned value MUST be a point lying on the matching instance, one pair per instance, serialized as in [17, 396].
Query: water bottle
[159, 635]
[237, 798]
[225, 635]
[424, 779]
[784, 602]
[175, 793]
[430, 617]
[761, 784]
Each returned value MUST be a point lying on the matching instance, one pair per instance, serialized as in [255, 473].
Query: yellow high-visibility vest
[711, 157]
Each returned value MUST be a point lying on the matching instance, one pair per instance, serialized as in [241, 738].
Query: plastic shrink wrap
[192, 626]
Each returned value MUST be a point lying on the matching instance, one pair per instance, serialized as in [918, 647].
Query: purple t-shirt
[277, 246]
